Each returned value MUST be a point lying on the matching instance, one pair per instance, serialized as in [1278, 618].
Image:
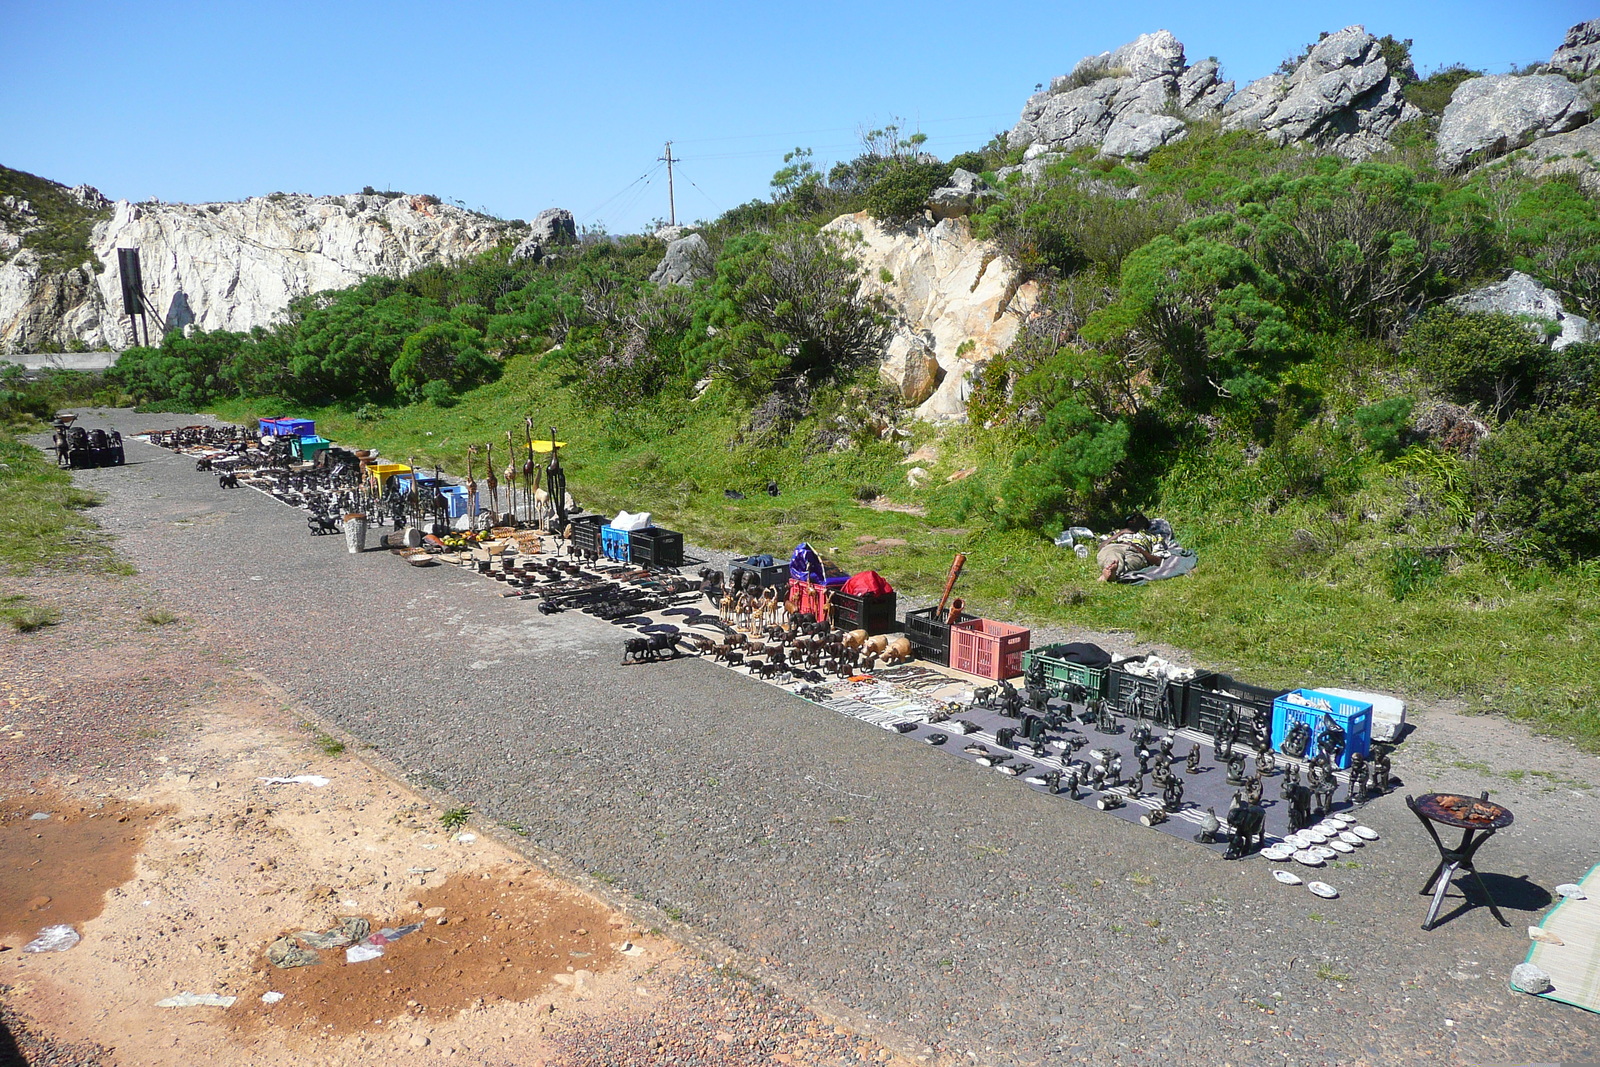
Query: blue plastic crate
[455, 500]
[1354, 717]
[614, 544]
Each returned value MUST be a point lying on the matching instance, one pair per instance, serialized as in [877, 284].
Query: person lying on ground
[1132, 548]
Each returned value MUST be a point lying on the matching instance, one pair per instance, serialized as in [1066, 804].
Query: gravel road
[942, 908]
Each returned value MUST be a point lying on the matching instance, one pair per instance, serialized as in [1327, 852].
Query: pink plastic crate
[987, 648]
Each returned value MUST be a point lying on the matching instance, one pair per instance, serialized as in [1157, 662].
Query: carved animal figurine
[854, 639]
[511, 476]
[878, 644]
[1247, 827]
[1209, 827]
[899, 651]
[491, 482]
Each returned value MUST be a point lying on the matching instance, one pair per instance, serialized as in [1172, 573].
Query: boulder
[554, 226]
[1580, 52]
[1488, 117]
[1136, 134]
[1341, 97]
[959, 196]
[910, 366]
[958, 297]
[1530, 978]
[1146, 76]
[1524, 297]
[687, 260]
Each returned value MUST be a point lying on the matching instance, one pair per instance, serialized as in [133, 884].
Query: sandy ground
[179, 866]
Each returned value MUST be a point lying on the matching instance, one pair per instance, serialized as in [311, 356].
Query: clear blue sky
[516, 107]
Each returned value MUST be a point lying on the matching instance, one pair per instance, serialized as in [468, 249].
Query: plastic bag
[630, 521]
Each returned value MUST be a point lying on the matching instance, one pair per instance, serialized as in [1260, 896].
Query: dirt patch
[57, 870]
[495, 936]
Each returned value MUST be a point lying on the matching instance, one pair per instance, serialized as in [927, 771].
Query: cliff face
[226, 266]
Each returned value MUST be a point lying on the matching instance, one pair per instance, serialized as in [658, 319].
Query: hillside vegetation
[1254, 345]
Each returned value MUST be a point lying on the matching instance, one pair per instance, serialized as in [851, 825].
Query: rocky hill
[1346, 94]
[220, 266]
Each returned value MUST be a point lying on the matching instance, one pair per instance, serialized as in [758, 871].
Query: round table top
[1466, 813]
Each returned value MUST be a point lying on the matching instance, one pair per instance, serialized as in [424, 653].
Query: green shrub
[1381, 425]
[1538, 478]
[1432, 94]
[1486, 358]
[901, 191]
[1410, 571]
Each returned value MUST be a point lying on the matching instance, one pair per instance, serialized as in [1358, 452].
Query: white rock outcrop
[1579, 53]
[236, 265]
[1488, 117]
[1132, 91]
[959, 302]
[1342, 96]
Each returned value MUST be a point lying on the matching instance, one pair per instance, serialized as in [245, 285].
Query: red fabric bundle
[867, 583]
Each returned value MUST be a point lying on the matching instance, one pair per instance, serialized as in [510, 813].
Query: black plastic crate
[872, 612]
[586, 533]
[1211, 699]
[1155, 699]
[655, 546]
[777, 575]
[930, 638]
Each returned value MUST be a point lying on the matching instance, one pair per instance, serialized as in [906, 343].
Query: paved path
[927, 897]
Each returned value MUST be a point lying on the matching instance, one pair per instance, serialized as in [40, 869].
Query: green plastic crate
[1041, 667]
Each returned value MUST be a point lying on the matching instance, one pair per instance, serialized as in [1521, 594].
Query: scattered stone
[420, 1041]
[39, 816]
[916, 476]
[1543, 936]
[1528, 978]
[271, 997]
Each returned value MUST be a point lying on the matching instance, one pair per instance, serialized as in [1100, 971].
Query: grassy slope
[1518, 644]
[62, 240]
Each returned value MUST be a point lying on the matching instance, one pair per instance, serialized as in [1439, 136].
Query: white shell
[1323, 889]
[1350, 839]
[1296, 841]
[1286, 878]
[1277, 853]
[1316, 837]
[1324, 851]
[1341, 846]
[1571, 891]
[1310, 859]
[1365, 832]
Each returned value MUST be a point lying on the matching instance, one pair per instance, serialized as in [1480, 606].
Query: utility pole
[672, 205]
